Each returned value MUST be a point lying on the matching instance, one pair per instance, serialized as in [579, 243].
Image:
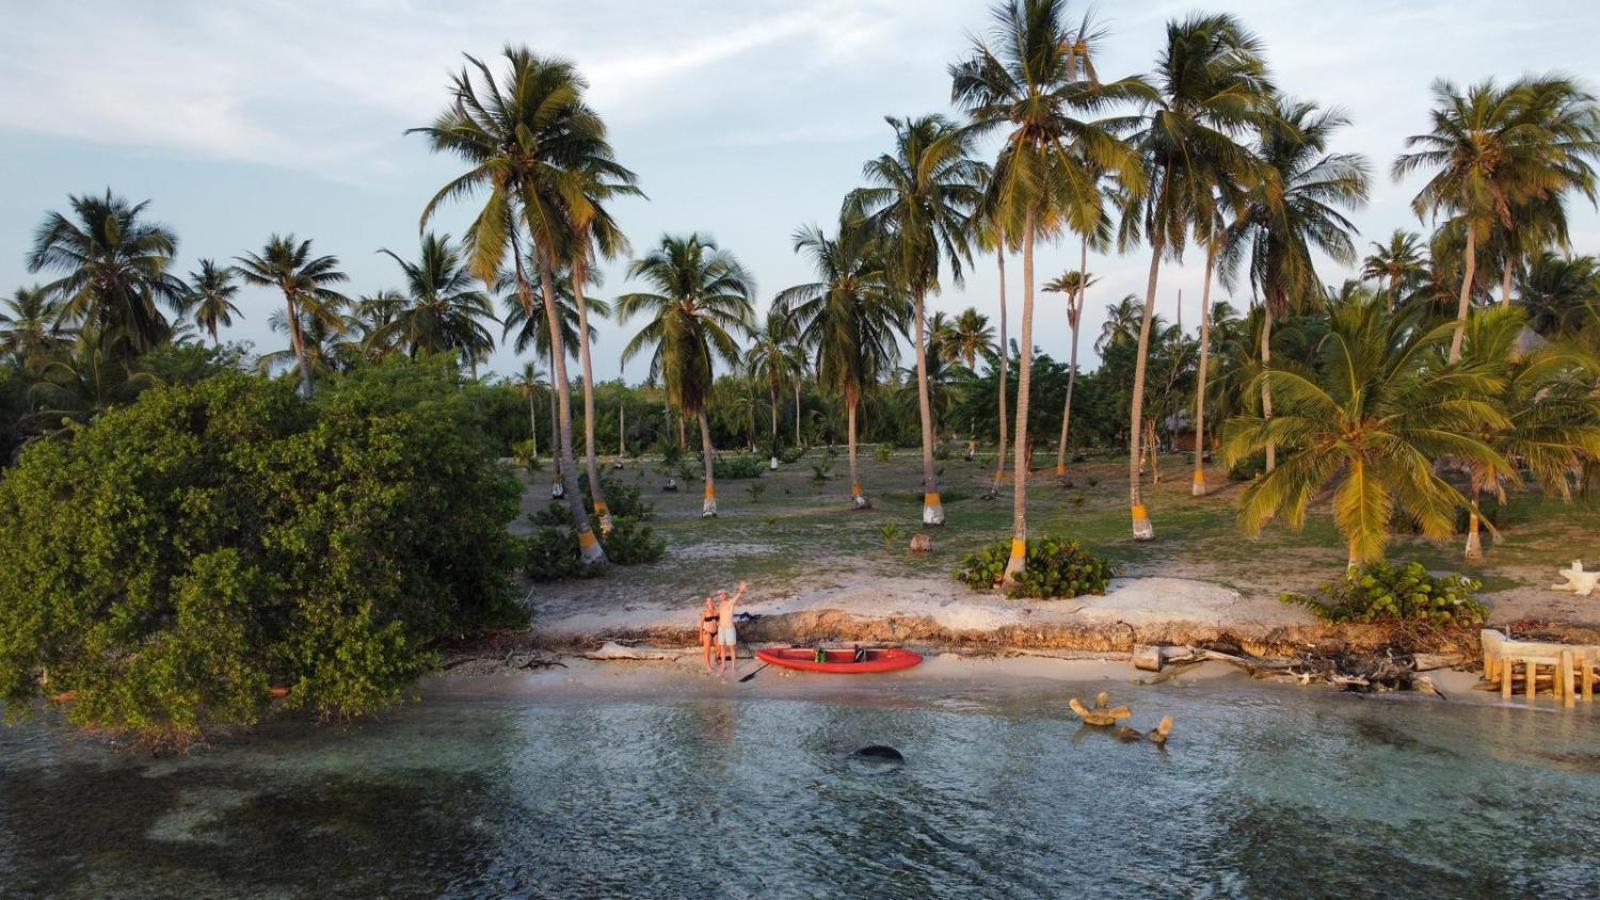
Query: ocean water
[1262, 792]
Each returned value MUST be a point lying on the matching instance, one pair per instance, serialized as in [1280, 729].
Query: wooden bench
[1571, 666]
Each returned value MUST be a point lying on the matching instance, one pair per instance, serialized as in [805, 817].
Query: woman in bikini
[708, 630]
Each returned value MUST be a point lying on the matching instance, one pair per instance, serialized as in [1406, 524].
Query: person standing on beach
[727, 636]
[708, 630]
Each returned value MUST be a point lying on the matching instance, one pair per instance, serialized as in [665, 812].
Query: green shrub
[556, 514]
[891, 534]
[756, 489]
[791, 455]
[822, 471]
[884, 453]
[551, 552]
[1383, 592]
[633, 543]
[171, 560]
[671, 455]
[625, 500]
[1056, 568]
[740, 465]
[522, 453]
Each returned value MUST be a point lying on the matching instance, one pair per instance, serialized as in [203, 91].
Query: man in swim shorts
[727, 637]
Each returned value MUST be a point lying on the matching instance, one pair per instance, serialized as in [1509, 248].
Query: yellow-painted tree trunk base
[1142, 529]
[589, 548]
[1198, 489]
[1017, 564]
[708, 509]
[932, 510]
[603, 512]
[1474, 541]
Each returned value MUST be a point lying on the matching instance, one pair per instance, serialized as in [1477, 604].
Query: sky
[743, 119]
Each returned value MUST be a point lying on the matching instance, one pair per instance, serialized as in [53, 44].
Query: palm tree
[535, 147]
[1549, 418]
[32, 329]
[1073, 285]
[1210, 84]
[1560, 294]
[91, 379]
[1297, 205]
[441, 310]
[534, 332]
[990, 235]
[848, 318]
[210, 297]
[701, 293]
[1121, 327]
[971, 336]
[1366, 421]
[1492, 151]
[304, 280]
[1036, 80]
[529, 383]
[917, 203]
[114, 269]
[772, 359]
[1397, 265]
[594, 233]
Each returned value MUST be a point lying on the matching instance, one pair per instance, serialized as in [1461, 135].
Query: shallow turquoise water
[1263, 792]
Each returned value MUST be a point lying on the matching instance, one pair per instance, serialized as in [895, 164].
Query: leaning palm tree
[210, 298]
[305, 282]
[443, 311]
[1396, 265]
[1297, 205]
[533, 146]
[534, 332]
[1209, 85]
[1073, 285]
[772, 361]
[849, 318]
[1366, 420]
[114, 269]
[1034, 79]
[702, 293]
[32, 328]
[917, 203]
[1493, 150]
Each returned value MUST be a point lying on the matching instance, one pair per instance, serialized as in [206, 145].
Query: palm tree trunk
[622, 430]
[932, 508]
[588, 545]
[590, 455]
[1143, 530]
[1199, 487]
[775, 402]
[1020, 464]
[1266, 386]
[708, 509]
[298, 340]
[1465, 304]
[797, 412]
[1005, 356]
[1474, 552]
[1074, 314]
[858, 497]
[558, 488]
[1505, 284]
[533, 425]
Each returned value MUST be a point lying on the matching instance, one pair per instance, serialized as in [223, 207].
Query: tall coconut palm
[114, 269]
[772, 361]
[1396, 265]
[594, 234]
[442, 311]
[989, 233]
[917, 202]
[305, 282]
[32, 328]
[1366, 421]
[1297, 205]
[849, 318]
[971, 337]
[702, 294]
[1492, 150]
[1073, 285]
[1209, 85]
[534, 332]
[209, 301]
[1035, 80]
[529, 383]
[533, 146]
[1121, 327]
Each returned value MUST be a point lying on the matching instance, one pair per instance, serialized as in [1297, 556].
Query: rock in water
[876, 759]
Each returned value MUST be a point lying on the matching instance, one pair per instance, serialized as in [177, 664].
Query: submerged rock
[876, 759]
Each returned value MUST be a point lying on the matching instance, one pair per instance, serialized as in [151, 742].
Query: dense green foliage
[739, 465]
[551, 552]
[172, 560]
[1056, 569]
[1388, 592]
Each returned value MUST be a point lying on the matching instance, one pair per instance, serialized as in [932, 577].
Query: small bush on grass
[742, 465]
[1056, 569]
[791, 455]
[1385, 592]
[625, 500]
[884, 453]
[551, 553]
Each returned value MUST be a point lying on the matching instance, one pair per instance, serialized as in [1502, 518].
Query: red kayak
[840, 662]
